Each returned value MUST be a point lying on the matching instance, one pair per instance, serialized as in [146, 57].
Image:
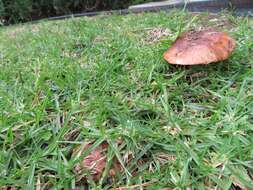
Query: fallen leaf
[95, 162]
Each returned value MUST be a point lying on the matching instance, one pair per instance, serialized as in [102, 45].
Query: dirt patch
[155, 34]
[215, 21]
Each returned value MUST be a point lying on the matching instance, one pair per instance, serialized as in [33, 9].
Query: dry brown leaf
[95, 162]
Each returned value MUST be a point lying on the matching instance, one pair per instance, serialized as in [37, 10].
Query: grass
[63, 83]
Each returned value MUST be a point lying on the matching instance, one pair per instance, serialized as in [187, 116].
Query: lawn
[103, 79]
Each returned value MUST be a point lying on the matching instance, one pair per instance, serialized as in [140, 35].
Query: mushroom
[200, 47]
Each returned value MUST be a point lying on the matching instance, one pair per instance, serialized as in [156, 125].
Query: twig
[18, 126]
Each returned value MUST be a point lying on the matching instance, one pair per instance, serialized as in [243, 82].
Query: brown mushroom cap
[200, 47]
